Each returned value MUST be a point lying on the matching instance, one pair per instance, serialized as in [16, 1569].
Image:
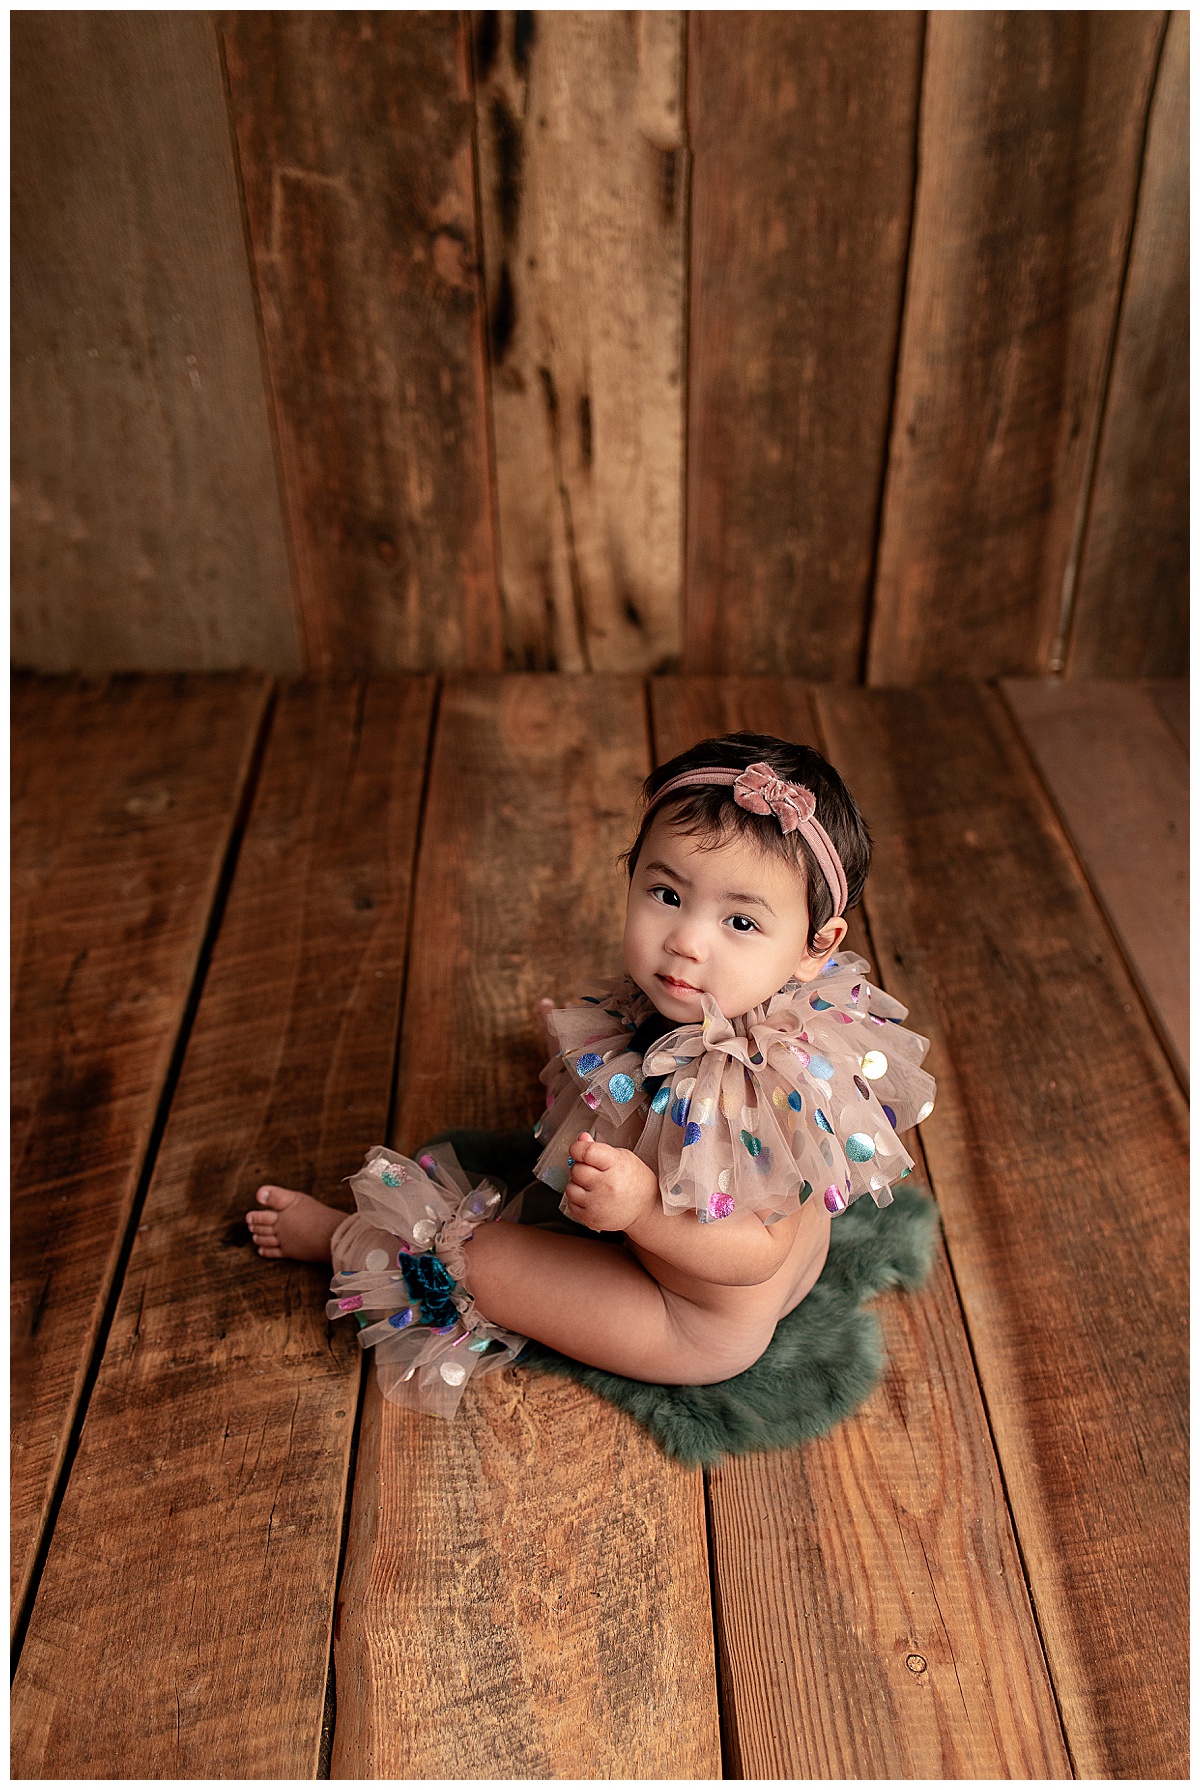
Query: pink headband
[793, 805]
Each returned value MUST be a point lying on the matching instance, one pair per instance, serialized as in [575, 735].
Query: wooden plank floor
[1111, 756]
[980, 1575]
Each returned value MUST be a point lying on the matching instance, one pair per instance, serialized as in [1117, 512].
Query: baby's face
[726, 920]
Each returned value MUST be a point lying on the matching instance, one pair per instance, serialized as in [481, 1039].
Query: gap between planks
[169, 778]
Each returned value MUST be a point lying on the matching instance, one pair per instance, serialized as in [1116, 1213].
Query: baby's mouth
[678, 987]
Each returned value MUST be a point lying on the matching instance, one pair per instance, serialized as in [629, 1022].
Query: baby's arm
[614, 1190]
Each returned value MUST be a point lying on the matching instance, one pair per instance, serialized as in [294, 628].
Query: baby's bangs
[713, 815]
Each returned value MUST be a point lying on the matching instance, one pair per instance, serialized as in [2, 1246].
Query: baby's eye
[742, 923]
[668, 896]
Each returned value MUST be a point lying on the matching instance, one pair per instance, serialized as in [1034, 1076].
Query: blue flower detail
[430, 1284]
[692, 1135]
[679, 1111]
[661, 1101]
[588, 1062]
[622, 1088]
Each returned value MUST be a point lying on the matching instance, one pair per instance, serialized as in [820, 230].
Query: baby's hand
[609, 1189]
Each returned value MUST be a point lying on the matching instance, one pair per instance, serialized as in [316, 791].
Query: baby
[717, 1108]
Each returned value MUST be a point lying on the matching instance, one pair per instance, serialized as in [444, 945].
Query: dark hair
[710, 810]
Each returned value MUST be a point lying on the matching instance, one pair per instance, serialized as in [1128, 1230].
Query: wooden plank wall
[843, 344]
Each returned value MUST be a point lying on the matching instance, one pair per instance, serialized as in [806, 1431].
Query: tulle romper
[799, 1099]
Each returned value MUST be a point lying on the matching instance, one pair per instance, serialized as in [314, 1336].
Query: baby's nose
[686, 939]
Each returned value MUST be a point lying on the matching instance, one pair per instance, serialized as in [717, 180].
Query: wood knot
[915, 1664]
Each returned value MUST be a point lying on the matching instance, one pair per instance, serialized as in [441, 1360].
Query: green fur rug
[822, 1362]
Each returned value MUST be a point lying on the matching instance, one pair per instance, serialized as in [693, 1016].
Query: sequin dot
[426, 1161]
[679, 1112]
[806, 1192]
[855, 992]
[860, 1147]
[723, 1180]
[692, 1135]
[478, 1347]
[556, 1178]
[453, 1372]
[835, 1200]
[823, 1122]
[588, 1062]
[720, 1205]
[846, 1019]
[400, 1320]
[756, 1057]
[661, 1101]
[874, 1064]
[821, 1067]
[890, 1116]
[424, 1231]
[779, 1098]
[685, 1089]
[925, 1111]
[752, 1143]
[391, 1177]
[826, 1151]
[350, 1304]
[704, 1111]
[818, 1005]
[591, 1100]
[907, 1171]
[377, 1260]
[621, 1088]
[801, 1056]
[862, 1087]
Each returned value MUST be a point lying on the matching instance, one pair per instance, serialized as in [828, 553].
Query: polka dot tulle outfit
[799, 1098]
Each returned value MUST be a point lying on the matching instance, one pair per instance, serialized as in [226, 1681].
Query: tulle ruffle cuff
[412, 1302]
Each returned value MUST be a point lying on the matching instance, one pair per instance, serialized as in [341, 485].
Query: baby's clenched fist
[609, 1189]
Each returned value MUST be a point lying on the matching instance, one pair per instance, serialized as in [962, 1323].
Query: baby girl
[712, 1113]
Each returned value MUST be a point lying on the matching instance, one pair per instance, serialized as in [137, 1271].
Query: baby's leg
[595, 1302]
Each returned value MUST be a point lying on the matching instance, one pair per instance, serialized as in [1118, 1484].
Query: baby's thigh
[707, 1345]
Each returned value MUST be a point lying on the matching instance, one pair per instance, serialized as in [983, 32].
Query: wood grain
[1172, 699]
[147, 529]
[1115, 773]
[526, 1589]
[873, 1617]
[124, 797]
[1131, 607]
[803, 128]
[355, 138]
[188, 1591]
[1057, 1153]
[583, 202]
[1031, 138]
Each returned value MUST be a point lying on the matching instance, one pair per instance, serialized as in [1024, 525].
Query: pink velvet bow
[762, 792]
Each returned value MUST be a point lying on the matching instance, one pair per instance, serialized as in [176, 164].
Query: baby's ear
[823, 947]
[830, 937]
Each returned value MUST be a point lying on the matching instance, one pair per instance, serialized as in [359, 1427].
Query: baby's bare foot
[292, 1224]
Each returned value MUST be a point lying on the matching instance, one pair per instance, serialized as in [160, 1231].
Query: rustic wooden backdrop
[848, 345]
